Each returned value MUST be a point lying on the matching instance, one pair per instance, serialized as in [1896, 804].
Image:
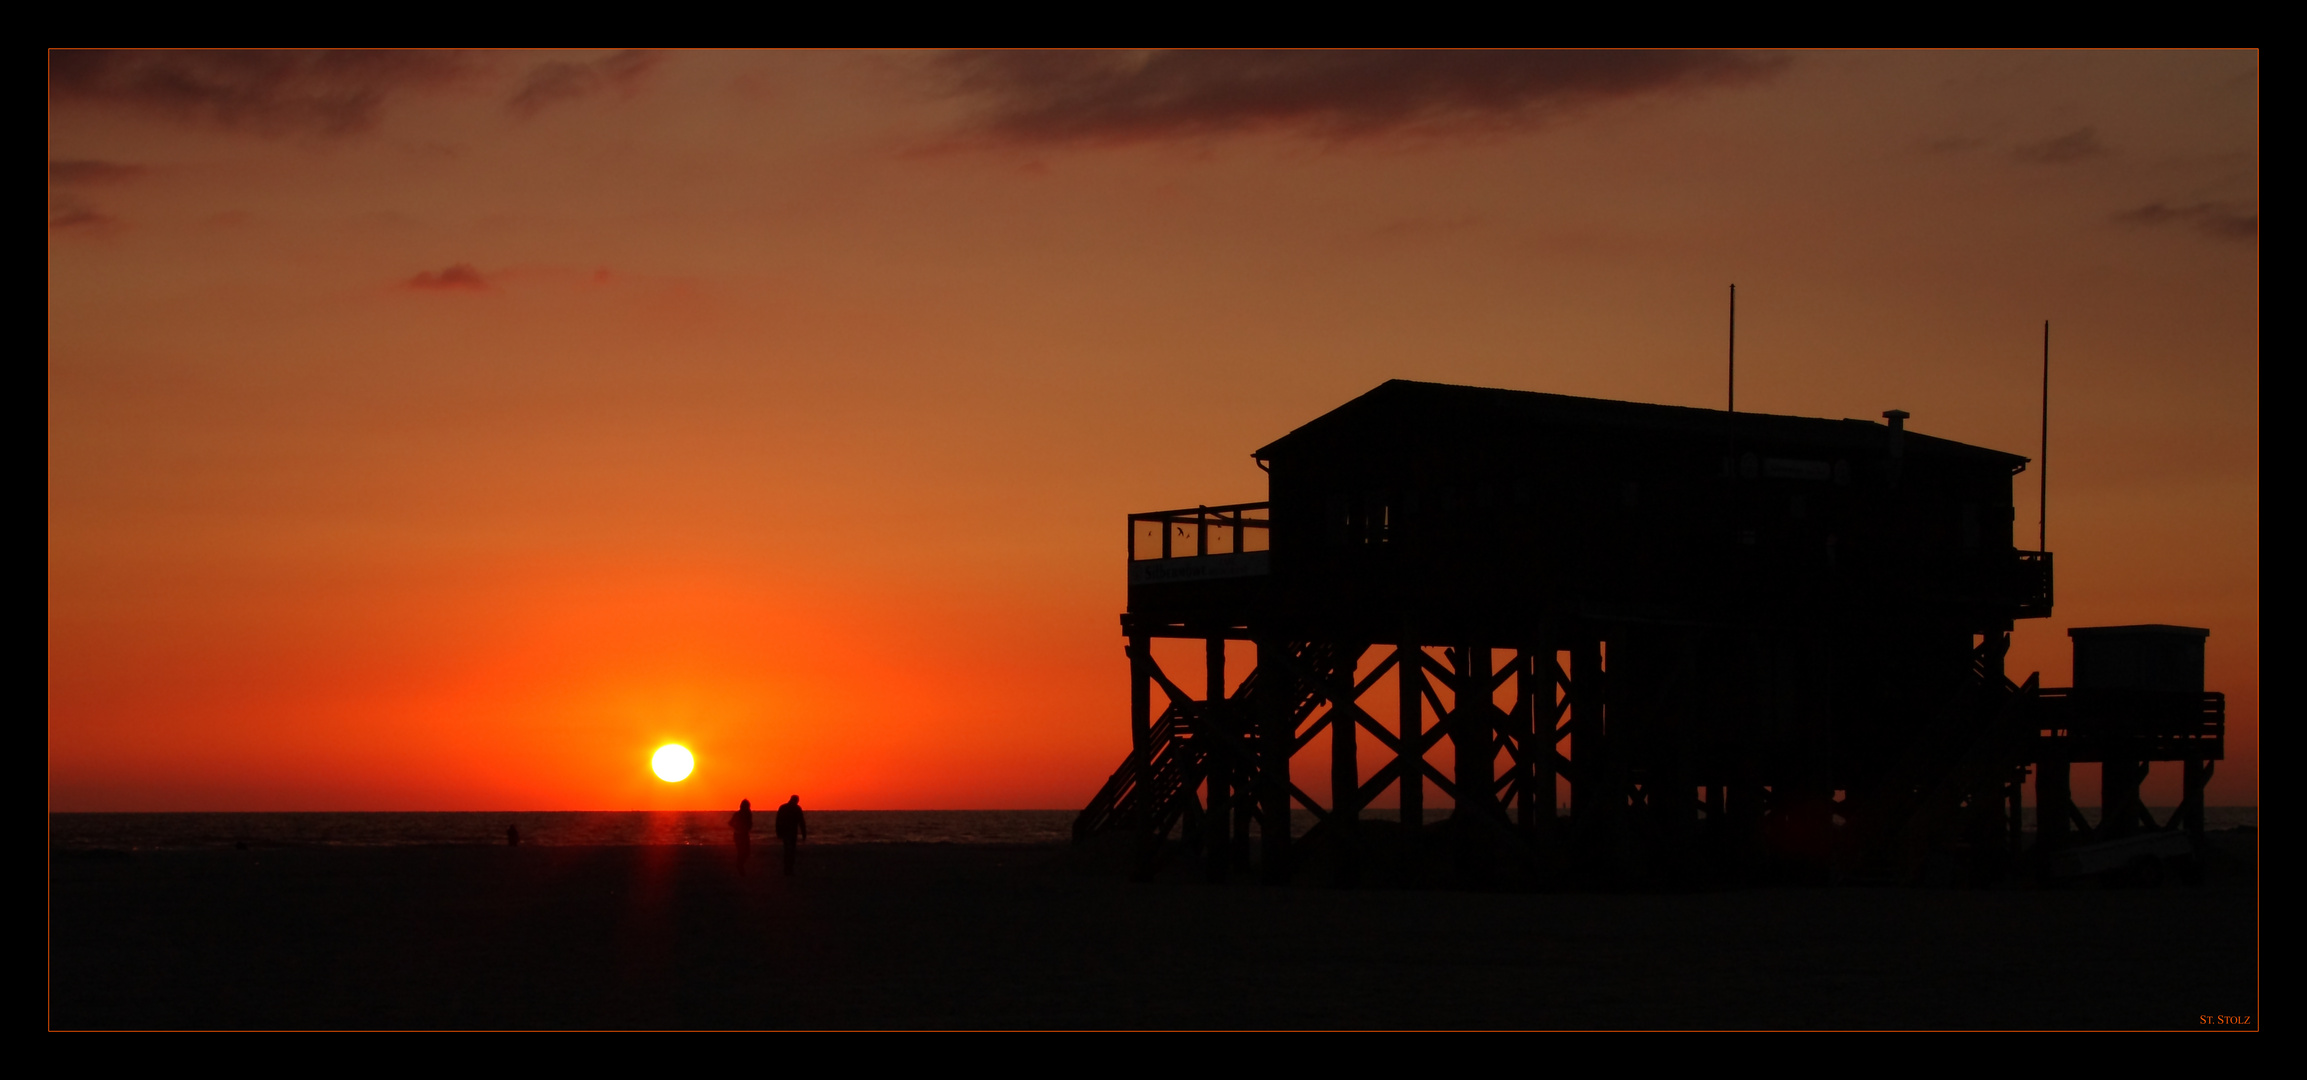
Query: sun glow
[673, 763]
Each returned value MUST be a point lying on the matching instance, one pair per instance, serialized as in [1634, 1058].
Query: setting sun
[673, 763]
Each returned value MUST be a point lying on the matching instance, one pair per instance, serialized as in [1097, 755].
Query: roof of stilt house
[1402, 412]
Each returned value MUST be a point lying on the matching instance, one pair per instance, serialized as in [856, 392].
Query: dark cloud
[68, 208]
[558, 81]
[2081, 144]
[2224, 220]
[284, 92]
[85, 173]
[457, 276]
[1130, 96]
[79, 218]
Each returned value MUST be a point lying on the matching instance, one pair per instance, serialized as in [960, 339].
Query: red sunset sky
[446, 431]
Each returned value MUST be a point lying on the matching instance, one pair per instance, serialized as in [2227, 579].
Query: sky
[446, 431]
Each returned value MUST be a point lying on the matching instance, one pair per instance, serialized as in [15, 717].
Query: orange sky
[447, 431]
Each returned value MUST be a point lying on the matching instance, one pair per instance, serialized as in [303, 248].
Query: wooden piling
[1410, 672]
[1345, 783]
[1218, 855]
[1275, 742]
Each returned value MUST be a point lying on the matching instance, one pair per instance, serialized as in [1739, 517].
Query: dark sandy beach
[981, 936]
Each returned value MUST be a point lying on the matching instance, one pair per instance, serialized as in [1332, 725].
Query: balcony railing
[2034, 573]
[1199, 543]
[2118, 724]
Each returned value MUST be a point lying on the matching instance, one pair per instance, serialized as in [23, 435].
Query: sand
[938, 936]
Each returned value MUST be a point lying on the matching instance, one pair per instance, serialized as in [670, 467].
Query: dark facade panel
[2145, 657]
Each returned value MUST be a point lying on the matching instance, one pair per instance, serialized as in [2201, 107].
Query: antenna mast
[1732, 405]
[2043, 457]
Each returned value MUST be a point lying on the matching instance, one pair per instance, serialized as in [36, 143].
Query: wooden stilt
[1218, 855]
[1275, 742]
[1410, 671]
[1545, 720]
[1345, 785]
[1591, 822]
[1526, 740]
[1245, 808]
[2015, 797]
[2195, 776]
[2054, 803]
[1141, 697]
[1474, 740]
[1473, 730]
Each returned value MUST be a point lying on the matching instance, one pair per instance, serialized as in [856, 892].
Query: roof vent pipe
[1897, 418]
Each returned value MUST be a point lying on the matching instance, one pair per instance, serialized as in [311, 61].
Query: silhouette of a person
[741, 831]
[792, 828]
[512, 836]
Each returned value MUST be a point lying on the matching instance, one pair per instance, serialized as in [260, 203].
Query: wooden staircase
[1964, 759]
[1150, 791]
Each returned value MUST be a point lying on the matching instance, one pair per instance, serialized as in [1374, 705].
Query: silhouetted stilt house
[1730, 638]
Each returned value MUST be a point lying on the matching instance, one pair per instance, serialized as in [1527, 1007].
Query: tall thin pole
[2043, 456]
[1733, 390]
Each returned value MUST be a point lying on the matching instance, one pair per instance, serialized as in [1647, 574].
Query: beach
[905, 935]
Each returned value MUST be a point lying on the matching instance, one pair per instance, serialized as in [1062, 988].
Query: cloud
[2081, 144]
[457, 276]
[68, 209]
[285, 92]
[79, 218]
[2224, 220]
[557, 81]
[1084, 97]
[84, 173]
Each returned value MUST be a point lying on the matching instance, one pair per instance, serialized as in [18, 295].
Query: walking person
[741, 832]
[792, 828]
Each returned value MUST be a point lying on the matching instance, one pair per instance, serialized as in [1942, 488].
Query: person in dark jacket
[741, 832]
[792, 828]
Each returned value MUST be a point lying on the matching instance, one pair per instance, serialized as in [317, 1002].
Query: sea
[616, 828]
[621, 828]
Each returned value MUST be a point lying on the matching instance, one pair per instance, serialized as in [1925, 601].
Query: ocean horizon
[163, 830]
